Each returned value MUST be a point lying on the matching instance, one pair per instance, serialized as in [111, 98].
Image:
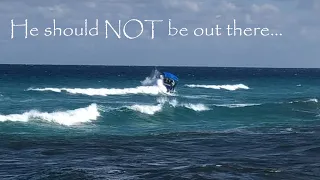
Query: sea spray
[152, 79]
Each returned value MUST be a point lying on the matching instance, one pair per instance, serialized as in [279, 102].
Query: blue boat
[170, 81]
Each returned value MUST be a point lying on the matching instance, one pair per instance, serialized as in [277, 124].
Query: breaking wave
[146, 109]
[196, 107]
[70, 117]
[227, 87]
[151, 85]
[93, 111]
[152, 109]
[157, 89]
[312, 100]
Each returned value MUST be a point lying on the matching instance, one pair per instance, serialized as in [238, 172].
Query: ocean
[114, 122]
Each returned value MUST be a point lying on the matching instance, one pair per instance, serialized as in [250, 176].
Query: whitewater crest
[151, 85]
[312, 100]
[153, 109]
[150, 90]
[146, 109]
[68, 118]
[226, 87]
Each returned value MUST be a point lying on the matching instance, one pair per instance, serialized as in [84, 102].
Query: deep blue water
[100, 122]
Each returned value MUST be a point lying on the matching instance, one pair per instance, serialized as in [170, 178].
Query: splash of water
[152, 79]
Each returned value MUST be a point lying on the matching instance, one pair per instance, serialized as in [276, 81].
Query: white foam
[151, 90]
[151, 85]
[175, 103]
[152, 109]
[227, 87]
[196, 107]
[149, 109]
[70, 117]
[161, 86]
[312, 100]
[146, 109]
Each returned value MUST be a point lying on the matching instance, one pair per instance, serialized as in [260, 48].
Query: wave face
[152, 90]
[97, 122]
[69, 117]
[156, 89]
[162, 102]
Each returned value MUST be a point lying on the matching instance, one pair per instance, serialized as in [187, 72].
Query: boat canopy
[170, 76]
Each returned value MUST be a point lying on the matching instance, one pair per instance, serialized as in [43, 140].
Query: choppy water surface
[98, 122]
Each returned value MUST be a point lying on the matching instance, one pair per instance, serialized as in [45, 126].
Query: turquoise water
[98, 122]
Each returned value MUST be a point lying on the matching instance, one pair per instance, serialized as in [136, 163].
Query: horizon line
[176, 66]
